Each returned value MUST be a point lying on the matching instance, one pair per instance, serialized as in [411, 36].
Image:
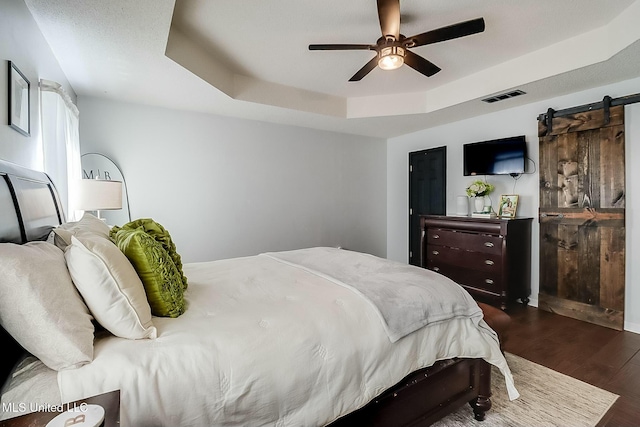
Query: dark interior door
[427, 192]
[582, 210]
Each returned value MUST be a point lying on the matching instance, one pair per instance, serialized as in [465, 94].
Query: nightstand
[109, 401]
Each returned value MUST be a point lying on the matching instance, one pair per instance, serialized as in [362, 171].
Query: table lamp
[97, 195]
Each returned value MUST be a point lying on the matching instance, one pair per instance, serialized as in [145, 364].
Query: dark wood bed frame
[30, 208]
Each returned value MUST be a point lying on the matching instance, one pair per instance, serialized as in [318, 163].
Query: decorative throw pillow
[161, 235]
[162, 280]
[40, 307]
[88, 224]
[110, 286]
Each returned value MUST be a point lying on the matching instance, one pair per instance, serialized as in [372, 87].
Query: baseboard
[632, 327]
[628, 326]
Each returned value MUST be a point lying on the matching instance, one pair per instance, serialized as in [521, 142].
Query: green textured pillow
[161, 279]
[161, 235]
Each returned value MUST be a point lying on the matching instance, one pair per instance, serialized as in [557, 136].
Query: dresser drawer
[480, 261]
[486, 243]
[488, 281]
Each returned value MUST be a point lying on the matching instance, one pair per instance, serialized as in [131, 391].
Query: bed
[292, 338]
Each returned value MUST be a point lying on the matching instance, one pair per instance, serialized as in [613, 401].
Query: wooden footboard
[427, 395]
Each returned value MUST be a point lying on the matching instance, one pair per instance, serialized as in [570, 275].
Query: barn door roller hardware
[606, 104]
[550, 113]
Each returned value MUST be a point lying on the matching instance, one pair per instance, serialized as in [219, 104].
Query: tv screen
[497, 157]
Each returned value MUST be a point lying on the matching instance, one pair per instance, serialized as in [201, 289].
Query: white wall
[227, 187]
[516, 121]
[23, 43]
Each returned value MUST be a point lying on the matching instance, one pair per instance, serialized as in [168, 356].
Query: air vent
[503, 96]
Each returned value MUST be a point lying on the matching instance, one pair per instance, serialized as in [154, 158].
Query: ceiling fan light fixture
[393, 49]
[391, 57]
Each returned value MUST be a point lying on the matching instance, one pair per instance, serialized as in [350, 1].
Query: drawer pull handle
[488, 281]
[488, 262]
[435, 252]
[436, 268]
[436, 236]
[488, 244]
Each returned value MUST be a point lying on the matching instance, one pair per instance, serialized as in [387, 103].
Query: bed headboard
[29, 208]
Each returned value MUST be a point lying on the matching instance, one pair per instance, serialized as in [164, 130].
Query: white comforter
[406, 298]
[263, 343]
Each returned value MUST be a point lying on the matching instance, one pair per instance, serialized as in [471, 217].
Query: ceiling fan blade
[420, 64]
[389, 16]
[341, 47]
[446, 33]
[365, 70]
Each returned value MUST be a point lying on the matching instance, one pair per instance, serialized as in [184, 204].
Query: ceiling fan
[392, 49]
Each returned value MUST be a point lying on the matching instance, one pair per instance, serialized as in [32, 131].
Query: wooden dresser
[491, 258]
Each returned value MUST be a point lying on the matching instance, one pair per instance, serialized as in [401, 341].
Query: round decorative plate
[80, 415]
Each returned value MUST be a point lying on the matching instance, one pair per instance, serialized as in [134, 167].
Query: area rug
[547, 399]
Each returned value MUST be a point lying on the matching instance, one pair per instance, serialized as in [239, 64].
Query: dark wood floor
[600, 356]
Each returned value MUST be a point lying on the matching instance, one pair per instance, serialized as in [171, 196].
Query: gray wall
[227, 187]
[22, 43]
[510, 122]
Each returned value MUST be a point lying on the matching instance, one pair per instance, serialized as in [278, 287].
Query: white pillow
[88, 224]
[110, 286]
[40, 307]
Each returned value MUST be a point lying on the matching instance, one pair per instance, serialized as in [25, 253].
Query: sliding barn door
[582, 209]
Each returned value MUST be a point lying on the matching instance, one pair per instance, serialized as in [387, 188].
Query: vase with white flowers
[479, 189]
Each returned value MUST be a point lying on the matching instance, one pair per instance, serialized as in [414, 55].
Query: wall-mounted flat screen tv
[496, 157]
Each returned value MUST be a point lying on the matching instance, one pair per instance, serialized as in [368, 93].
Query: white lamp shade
[97, 194]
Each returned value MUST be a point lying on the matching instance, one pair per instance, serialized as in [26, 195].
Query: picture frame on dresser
[19, 96]
[508, 206]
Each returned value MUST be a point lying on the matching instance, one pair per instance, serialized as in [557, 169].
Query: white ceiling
[250, 58]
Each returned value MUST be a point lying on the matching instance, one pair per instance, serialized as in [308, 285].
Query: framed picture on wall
[508, 205]
[19, 101]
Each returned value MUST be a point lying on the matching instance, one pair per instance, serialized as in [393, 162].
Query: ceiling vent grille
[503, 96]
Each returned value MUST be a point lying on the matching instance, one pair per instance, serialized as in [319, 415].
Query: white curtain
[61, 142]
